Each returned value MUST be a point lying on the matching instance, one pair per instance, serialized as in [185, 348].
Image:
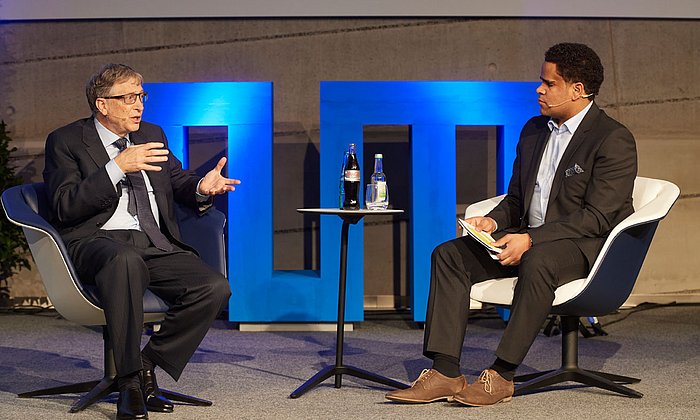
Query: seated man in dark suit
[572, 183]
[111, 183]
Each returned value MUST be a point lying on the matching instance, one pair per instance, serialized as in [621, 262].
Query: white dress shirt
[122, 219]
[559, 140]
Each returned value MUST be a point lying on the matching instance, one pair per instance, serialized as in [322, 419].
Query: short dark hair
[101, 82]
[577, 63]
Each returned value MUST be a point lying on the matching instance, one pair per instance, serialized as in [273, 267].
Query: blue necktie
[140, 205]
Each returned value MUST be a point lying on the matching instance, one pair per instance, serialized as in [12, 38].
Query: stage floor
[249, 375]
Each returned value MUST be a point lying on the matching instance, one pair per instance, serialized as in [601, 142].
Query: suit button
[98, 224]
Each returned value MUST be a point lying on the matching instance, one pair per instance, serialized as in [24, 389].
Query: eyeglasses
[130, 98]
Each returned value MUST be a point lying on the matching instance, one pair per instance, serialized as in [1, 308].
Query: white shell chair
[606, 288]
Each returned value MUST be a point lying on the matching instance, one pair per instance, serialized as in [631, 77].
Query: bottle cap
[378, 156]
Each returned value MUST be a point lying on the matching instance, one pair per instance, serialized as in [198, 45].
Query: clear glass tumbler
[377, 196]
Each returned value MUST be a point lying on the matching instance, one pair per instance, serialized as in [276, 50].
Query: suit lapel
[93, 144]
[137, 138]
[576, 142]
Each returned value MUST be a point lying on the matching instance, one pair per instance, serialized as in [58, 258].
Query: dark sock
[146, 362]
[447, 365]
[505, 369]
[126, 381]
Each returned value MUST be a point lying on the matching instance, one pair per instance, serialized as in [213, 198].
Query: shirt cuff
[201, 198]
[114, 172]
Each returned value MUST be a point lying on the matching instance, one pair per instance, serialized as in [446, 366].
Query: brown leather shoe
[430, 386]
[489, 389]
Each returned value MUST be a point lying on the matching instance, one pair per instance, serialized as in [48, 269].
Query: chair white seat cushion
[500, 291]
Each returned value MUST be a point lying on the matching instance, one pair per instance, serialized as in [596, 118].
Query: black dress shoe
[130, 404]
[151, 394]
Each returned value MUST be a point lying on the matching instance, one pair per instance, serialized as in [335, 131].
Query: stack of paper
[481, 237]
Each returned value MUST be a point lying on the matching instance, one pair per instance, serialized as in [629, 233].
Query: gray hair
[101, 82]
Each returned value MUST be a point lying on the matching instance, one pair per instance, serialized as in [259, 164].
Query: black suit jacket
[584, 206]
[83, 197]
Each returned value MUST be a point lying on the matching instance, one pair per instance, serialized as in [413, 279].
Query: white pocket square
[573, 170]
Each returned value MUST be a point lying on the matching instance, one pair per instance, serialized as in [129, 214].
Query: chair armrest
[480, 208]
[205, 233]
[656, 209]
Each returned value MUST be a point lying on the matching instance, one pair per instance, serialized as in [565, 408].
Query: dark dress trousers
[591, 193]
[124, 263]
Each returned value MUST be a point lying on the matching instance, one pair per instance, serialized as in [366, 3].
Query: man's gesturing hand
[140, 156]
[214, 183]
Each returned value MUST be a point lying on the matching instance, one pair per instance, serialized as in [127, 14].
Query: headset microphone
[562, 103]
[559, 104]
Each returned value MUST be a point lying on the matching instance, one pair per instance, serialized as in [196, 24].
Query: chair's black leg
[616, 378]
[530, 376]
[570, 371]
[552, 327]
[176, 396]
[63, 389]
[576, 375]
[103, 388]
[549, 378]
[584, 331]
[598, 329]
[591, 379]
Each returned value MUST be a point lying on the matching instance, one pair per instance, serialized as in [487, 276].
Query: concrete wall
[652, 86]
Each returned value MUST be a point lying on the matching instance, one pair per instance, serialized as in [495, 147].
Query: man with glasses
[111, 182]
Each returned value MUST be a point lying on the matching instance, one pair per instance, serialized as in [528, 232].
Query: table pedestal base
[338, 372]
[350, 217]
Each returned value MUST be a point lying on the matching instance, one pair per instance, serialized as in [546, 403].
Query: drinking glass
[377, 196]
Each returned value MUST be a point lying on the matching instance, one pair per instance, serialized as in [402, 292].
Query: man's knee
[125, 261]
[537, 268]
[217, 288]
[121, 274]
[221, 288]
[446, 251]
[537, 258]
[557, 263]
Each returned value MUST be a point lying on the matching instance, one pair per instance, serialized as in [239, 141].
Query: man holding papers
[481, 236]
[572, 183]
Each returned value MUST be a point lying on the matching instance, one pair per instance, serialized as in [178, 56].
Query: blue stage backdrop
[245, 109]
[432, 109]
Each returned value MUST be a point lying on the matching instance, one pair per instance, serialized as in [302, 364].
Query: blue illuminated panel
[246, 110]
[433, 109]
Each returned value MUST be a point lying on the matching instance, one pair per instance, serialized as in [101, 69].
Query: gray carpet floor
[250, 375]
